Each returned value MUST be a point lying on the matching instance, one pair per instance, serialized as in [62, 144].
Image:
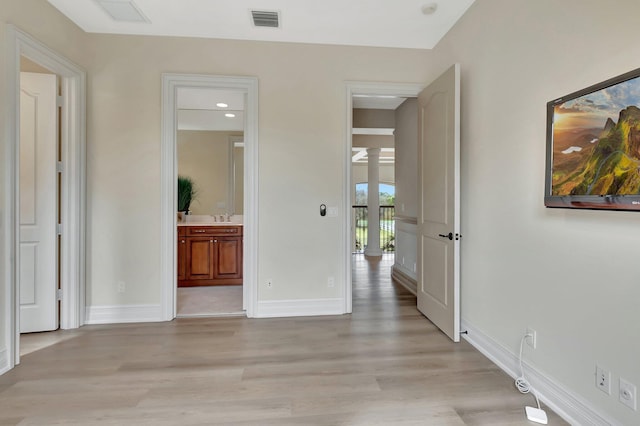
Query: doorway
[72, 188]
[248, 88]
[210, 156]
[369, 96]
[437, 218]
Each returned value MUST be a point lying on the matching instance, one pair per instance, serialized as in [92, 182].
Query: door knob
[449, 235]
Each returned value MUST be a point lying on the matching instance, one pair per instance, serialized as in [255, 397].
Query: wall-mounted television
[593, 146]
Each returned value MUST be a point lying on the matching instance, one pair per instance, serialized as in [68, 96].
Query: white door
[38, 203]
[439, 202]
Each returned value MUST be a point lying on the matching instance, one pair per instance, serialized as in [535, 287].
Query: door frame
[168, 184]
[409, 90]
[73, 196]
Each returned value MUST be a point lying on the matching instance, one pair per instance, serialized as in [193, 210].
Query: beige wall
[301, 155]
[204, 157]
[406, 137]
[570, 274]
[373, 118]
[406, 140]
[238, 176]
[40, 20]
[27, 65]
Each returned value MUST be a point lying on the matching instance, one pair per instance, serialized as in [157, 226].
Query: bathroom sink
[211, 220]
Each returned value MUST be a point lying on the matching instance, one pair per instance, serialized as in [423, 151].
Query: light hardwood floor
[383, 365]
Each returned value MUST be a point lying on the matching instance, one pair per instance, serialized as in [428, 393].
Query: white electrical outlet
[627, 394]
[122, 287]
[532, 337]
[603, 379]
[331, 282]
[269, 283]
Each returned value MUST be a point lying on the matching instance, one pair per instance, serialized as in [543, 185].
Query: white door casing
[170, 85]
[38, 202]
[72, 197]
[438, 269]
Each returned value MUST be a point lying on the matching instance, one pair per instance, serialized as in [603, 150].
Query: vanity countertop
[205, 220]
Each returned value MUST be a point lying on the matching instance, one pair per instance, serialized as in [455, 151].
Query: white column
[373, 204]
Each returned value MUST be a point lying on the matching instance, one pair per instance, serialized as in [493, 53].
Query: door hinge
[59, 294]
[59, 229]
[59, 100]
[59, 167]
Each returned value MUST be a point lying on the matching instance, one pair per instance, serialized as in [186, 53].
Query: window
[387, 194]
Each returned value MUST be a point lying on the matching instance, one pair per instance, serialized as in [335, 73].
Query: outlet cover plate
[532, 341]
[628, 394]
[603, 379]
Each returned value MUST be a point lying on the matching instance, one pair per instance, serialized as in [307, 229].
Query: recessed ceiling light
[430, 8]
[221, 105]
[122, 10]
[229, 115]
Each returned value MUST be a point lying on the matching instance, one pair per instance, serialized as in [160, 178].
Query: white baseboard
[4, 362]
[299, 308]
[565, 403]
[406, 281]
[123, 313]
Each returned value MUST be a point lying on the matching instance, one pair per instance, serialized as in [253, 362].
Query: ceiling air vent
[265, 18]
[122, 10]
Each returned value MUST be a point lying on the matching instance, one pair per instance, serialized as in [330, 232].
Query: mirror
[210, 148]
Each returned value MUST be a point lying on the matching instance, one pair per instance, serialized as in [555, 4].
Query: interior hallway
[385, 364]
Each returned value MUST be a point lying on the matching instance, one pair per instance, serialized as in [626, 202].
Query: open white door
[38, 203]
[438, 269]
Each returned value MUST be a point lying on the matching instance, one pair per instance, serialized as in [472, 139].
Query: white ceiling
[377, 23]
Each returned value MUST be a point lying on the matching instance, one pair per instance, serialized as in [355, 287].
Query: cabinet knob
[182, 241]
[210, 241]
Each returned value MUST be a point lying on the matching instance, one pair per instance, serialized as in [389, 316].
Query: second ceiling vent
[266, 18]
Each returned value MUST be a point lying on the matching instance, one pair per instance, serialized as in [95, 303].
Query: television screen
[593, 146]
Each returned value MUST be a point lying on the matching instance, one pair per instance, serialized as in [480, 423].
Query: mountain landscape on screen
[596, 147]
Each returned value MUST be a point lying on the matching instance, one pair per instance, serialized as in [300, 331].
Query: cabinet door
[228, 257]
[200, 258]
[182, 257]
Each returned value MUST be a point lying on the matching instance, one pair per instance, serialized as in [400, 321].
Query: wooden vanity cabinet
[227, 253]
[212, 256]
[182, 253]
[200, 258]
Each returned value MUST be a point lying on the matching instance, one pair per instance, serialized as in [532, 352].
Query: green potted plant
[186, 193]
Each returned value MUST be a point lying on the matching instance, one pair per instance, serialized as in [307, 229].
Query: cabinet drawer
[213, 230]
